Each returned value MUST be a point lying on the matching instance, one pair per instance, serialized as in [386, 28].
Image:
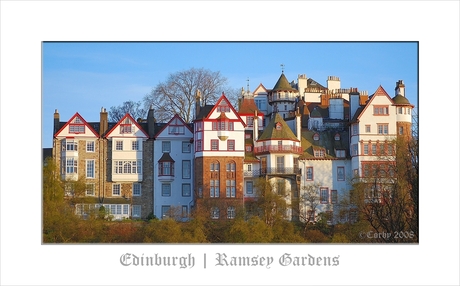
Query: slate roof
[283, 84]
[326, 142]
[271, 133]
[204, 111]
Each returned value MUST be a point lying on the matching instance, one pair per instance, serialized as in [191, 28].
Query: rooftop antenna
[282, 68]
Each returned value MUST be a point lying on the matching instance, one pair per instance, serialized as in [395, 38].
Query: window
[324, 195]
[215, 213]
[381, 110]
[214, 145]
[231, 145]
[184, 211]
[334, 196]
[316, 137]
[250, 121]
[382, 149]
[90, 168]
[249, 167]
[230, 188]
[71, 145]
[214, 189]
[279, 164]
[166, 168]
[368, 128]
[199, 145]
[340, 173]
[165, 211]
[366, 149]
[126, 128]
[223, 108]
[119, 145]
[354, 149]
[136, 211]
[166, 146]
[127, 167]
[355, 129]
[71, 165]
[374, 149]
[136, 189]
[382, 128]
[135, 145]
[309, 175]
[77, 126]
[89, 146]
[249, 187]
[186, 147]
[400, 110]
[231, 212]
[248, 148]
[340, 153]
[401, 130]
[166, 190]
[390, 150]
[90, 189]
[319, 153]
[186, 190]
[337, 137]
[176, 129]
[186, 169]
[231, 167]
[116, 190]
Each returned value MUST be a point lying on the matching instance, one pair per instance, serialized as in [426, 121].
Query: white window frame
[90, 146]
[137, 189]
[137, 210]
[90, 168]
[116, 189]
[165, 190]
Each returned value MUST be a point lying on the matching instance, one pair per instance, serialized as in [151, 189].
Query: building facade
[307, 140]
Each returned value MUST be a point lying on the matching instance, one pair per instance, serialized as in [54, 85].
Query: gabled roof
[360, 111]
[162, 127]
[248, 106]
[312, 83]
[260, 87]
[272, 133]
[166, 158]
[76, 115]
[204, 112]
[213, 107]
[127, 116]
[283, 84]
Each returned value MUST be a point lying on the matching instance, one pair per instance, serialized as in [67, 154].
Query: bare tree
[133, 108]
[177, 95]
[387, 195]
[310, 201]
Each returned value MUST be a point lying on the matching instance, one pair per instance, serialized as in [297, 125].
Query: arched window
[214, 191]
[231, 182]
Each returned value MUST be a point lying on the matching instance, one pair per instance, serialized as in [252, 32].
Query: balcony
[273, 171]
[278, 149]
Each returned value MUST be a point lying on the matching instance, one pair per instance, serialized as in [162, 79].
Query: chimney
[354, 102]
[400, 88]
[151, 122]
[197, 103]
[298, 125]
[255, 130]
[56, 121]
[104, 124]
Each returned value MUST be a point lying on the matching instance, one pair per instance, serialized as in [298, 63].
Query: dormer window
[337, 137]
[316, 137]
[278, 126]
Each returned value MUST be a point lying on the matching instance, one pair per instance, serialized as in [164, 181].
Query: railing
[273, 171]
[278, 148]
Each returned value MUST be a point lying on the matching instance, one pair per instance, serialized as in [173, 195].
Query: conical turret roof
[282, 84]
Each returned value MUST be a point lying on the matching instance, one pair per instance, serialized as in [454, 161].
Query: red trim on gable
[379, 92]
[223, 97]
[84, 123]
[121, 120]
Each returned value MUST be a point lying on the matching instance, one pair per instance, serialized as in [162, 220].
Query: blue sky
[85, 76]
